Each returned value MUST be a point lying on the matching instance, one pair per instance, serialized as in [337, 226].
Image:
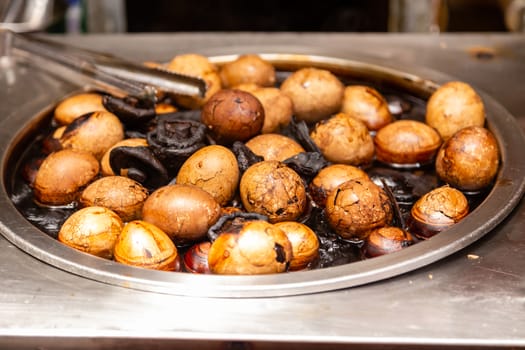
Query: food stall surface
[473, 298]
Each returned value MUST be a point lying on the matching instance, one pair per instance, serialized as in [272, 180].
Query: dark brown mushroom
[140, 164]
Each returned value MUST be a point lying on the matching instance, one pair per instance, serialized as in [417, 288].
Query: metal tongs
[106, 72]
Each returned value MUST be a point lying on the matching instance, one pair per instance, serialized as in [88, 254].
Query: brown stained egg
[258, 248]
[121, 194]
[386, 240]
[343, 139]
[368, 105]
[248, 68]
[357, 207]
[164, 108]
[92, 230]
[406, 142]
[77, 105]
[94, 133]
[469, 160]
[274, 146]
[195, 260]
[196, 65]
[271, 188]
[105, 166]
[184, 212]
[62, 176]
[305, 244]
[316, 93]
[213, 168]
[436, 211]
[278, 107]
[330, 177]
[142, 244]
[233, 115]
[454, 106]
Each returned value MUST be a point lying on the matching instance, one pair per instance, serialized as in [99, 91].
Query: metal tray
[504, 196]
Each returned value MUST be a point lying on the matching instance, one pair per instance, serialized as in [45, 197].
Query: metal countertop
[459, 301]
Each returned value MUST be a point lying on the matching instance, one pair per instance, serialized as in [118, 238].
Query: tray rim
[503, 198]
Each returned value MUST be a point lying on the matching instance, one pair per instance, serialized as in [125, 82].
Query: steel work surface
[459, 301]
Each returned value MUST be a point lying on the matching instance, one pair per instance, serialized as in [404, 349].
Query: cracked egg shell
[271, 188]
[213, 168]
[274, 146]
[258, 248]
[77, 105]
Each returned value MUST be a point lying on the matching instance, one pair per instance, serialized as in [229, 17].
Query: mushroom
[140, 164]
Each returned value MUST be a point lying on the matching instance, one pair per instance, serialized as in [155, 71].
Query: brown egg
[271, 188]
[163, 108]
[305, 244]
[259, 248]
[436, 211]
[368, 105]
[196, 258]
[248, 68]
[406, 142]
[233, 115]
[274, 146]
[278, 107]
[77, 105]
[330, 177]
[213, 168]
[454, 106]
[356, 207]
[121, 194]
[105, 166]
[62, 176]
[469, 160]
[316, 93]
[94, 133]
[198, 66]
[386, 240]
[92, 230]
[184, 212]
[142, 244]
[343, 139]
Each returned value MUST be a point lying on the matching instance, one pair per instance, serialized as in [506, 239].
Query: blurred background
[110, 16]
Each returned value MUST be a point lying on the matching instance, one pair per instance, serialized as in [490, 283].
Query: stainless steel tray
[504, 196]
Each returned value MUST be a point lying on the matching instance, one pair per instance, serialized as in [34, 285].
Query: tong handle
[109, 73]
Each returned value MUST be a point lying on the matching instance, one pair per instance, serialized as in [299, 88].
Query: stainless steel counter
[475, 297]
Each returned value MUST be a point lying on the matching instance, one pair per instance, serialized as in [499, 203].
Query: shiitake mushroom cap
[105, 166]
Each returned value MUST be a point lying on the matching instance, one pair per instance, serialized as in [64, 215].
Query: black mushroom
[175, 138]
[140, 164]
[130, 110]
